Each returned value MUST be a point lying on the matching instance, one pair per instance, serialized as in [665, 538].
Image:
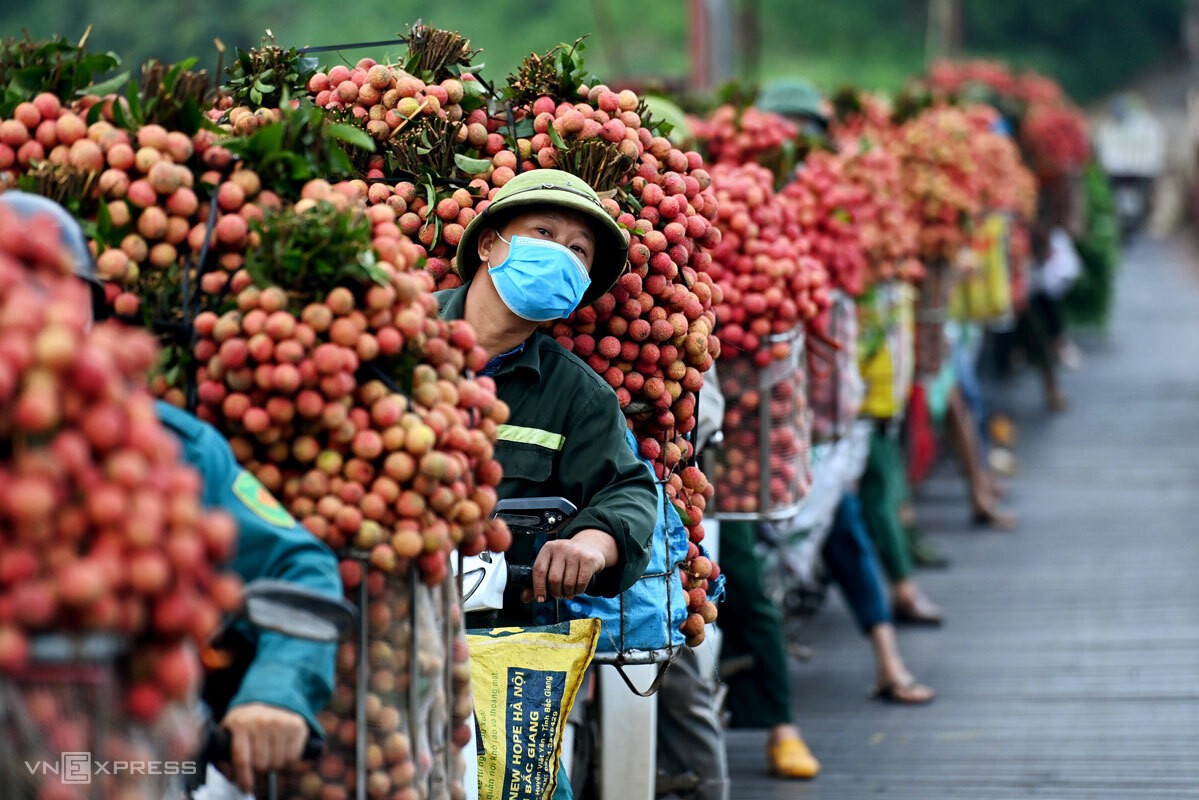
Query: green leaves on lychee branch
[310, 252]
[170, 96]
[29, 67]
[557, 73]
[264, 76]
[474, 96]
[471, 166]
[737, 94]
[429, 149]
[306, 144]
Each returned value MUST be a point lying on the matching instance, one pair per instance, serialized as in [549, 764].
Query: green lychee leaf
[109, 86]
[135, 102]
[269, 138]
[119, 116]
[191, 119]
[375, 272]
[473, 96]
[471, 166]
[172, 76]
[355, 137]
[556, 138]
[94, 113]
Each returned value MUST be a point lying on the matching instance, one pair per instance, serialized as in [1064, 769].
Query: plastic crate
[389, 723]
[932, 312]
[762, 470]
[835, 386]
[64, 732]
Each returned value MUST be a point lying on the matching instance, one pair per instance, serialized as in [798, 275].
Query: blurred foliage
[1092, 46]
[1089, 302]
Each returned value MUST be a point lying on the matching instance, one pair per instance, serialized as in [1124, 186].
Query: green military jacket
[565, 437]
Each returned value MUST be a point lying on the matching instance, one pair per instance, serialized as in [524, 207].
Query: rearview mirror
[296, 611]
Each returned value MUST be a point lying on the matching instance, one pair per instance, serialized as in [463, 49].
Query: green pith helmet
[552, 187]
[792, 97]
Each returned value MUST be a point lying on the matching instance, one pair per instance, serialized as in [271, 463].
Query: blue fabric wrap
[641, 618]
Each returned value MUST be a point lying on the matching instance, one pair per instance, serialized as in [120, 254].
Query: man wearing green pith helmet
[549, 247]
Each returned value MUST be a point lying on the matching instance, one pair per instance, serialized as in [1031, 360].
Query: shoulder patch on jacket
[255, 497]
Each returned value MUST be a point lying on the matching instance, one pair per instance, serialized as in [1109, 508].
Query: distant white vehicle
[1131, 141]
[1131, 147]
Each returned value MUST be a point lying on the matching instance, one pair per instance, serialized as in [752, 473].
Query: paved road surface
[1069, 667]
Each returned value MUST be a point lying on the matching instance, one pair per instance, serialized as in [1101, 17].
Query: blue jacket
[287, 672]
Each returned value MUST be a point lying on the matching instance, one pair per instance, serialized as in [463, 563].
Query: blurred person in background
[759, 688]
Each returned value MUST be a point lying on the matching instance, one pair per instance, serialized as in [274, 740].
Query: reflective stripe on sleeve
[516, 433]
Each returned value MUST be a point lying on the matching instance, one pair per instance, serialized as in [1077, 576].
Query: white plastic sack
[829, 462]
[820, 507]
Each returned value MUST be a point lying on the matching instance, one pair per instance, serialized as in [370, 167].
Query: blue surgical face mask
[540, 280]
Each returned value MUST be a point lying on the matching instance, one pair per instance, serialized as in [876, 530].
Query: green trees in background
[1092, 46]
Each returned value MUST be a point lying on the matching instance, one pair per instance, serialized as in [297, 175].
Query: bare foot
[993, 486]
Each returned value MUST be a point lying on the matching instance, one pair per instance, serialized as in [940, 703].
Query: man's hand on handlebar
[264, 738]
[565, 567]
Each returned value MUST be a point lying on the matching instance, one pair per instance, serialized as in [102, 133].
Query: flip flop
[894, 693]
[995, 519]
[915, 615]
[924, 552]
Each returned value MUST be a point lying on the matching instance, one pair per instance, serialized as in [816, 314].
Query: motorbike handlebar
[520, 577]
[218, 746]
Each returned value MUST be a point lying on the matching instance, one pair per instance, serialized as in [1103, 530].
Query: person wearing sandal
[968, 434]
[882, 490]
[853, 564]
